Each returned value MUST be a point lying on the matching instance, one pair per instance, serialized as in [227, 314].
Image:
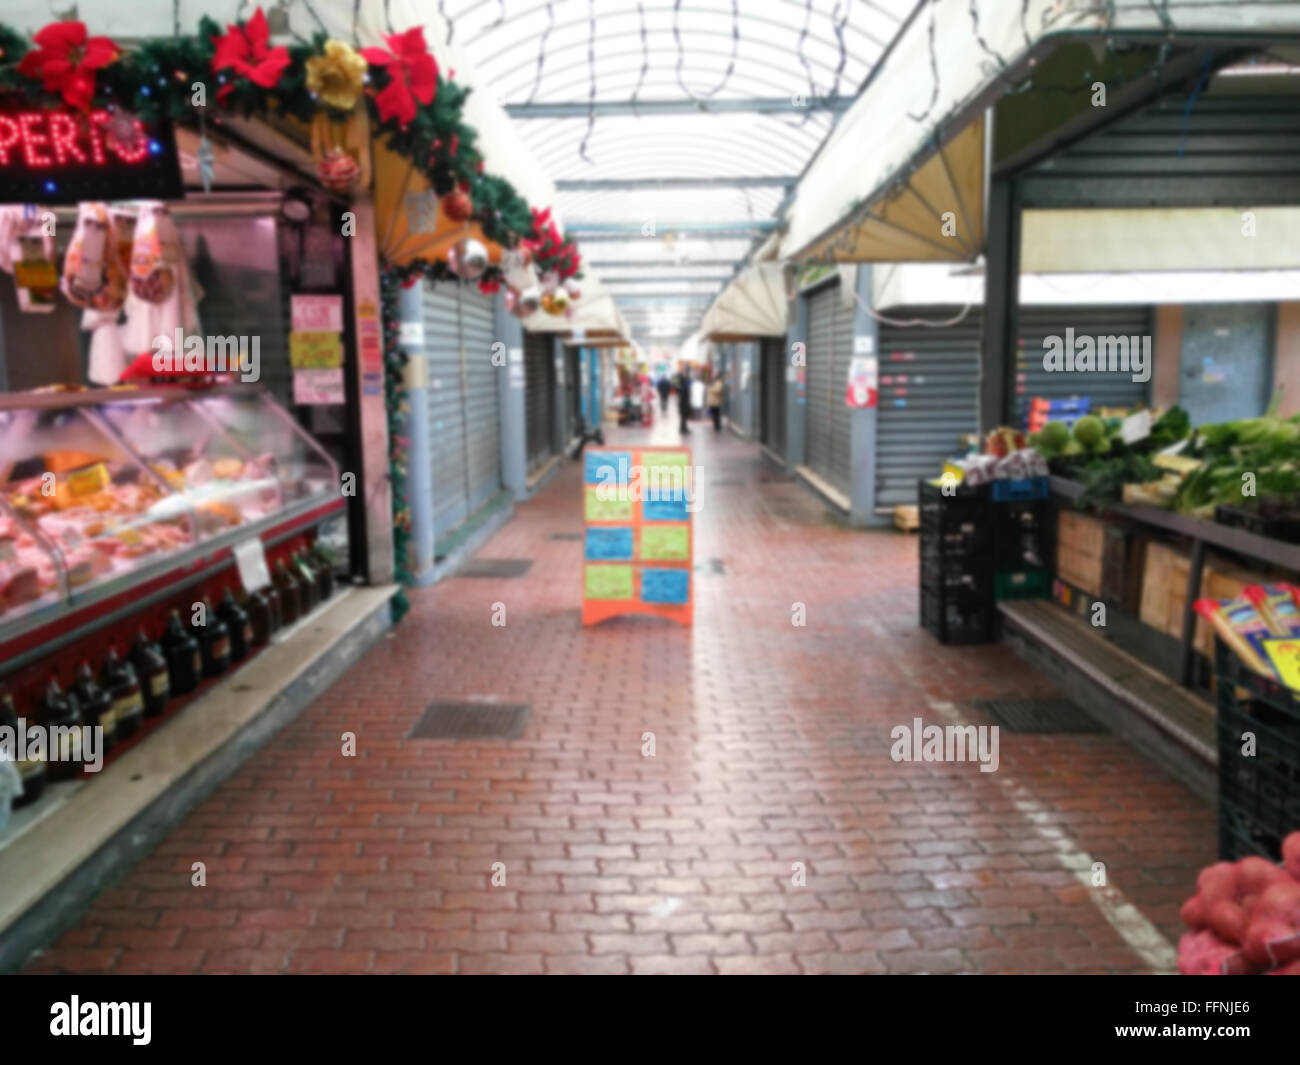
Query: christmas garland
[391, 283]
[416, 110]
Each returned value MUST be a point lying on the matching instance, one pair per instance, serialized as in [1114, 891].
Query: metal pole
[419, 473]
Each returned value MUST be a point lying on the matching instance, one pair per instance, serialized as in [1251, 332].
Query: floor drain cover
[565, 536]
[471, 721]
[726, 484]
[495, 567]
[1037, 715]
[713, 566]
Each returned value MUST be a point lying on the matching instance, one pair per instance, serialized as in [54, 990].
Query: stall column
[560, 408]
[796, 385]
[419, 475]
[1001, 305]
[510, 394]
[862, 454]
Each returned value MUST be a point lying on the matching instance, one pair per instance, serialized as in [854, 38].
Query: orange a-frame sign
[638, 543]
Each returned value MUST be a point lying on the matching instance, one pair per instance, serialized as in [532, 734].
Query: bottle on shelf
[306, 577]
[118, 677]
[290, 595]
[238, 624]
[151, 668]
[214, 641]
[184, 658]
[324, 570]
[31, 771]
[261, 615]
[96, 705]
[59, 710]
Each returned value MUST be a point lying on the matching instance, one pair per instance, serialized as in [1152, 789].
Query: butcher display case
[110, 495]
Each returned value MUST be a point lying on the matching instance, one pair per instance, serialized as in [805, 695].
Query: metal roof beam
[620, 184]
[655, 264]
[624, 230]
[694, 279]
[755, 105]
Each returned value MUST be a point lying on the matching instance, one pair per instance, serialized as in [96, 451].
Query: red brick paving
[771, 748]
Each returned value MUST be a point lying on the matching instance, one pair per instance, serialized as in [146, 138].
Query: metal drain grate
[1037, 715]
[715, 567]
[726, 483]
[565, 536]
[471, 721]
[495, 567]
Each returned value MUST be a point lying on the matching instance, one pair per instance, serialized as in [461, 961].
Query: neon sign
[64, 156]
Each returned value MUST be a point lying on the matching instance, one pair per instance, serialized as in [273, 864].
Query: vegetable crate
[1259, 792]
[957, 604]
[1283, 525]
[1022, 584]
[1021, 534]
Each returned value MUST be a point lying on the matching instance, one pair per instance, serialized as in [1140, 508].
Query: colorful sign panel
[638, 548]
[864, 382]
[316, 314]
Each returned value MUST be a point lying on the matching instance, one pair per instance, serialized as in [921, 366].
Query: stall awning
[752, 305]
[911, 148]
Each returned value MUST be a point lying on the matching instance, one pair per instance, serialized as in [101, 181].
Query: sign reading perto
[65, 156]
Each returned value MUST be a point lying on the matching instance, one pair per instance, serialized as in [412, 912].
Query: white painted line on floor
[1142, 937]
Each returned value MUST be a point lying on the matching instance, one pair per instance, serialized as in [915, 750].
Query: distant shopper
[716, 389]
[664, 386]
[683, 386]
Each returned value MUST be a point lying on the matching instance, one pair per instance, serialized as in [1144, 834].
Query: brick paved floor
[772, 748]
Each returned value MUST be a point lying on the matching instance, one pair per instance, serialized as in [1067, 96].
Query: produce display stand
[1202, 534]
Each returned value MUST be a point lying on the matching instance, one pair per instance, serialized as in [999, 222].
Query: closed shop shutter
[929, 383]
[772, 399]
[464, 409]
[830, 347]
[573, 388]
[482, 398]
[1104, 389]
[539, 375]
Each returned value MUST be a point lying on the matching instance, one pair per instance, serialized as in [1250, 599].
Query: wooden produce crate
[907, 519]
[1080, 540]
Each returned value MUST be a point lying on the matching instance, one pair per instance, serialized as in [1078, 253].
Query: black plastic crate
[1021, 534]
[1276, 520]
[1259, 794]
[959, 615]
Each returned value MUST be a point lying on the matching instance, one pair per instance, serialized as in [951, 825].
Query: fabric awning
[911, 148]
[595, 313]
[754, 304]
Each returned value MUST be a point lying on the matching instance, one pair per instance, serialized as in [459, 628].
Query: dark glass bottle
[59, 710]
[305, 575]
[272, 597]
[184, 658]
[96, 705]
[123, 686]
[261, 616]
[151, 668]
[290, 596]
[324, 571]
[214, 641]
[238, 624]
[33, 770]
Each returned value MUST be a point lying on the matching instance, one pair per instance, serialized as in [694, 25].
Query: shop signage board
[316, 314]
[56, 156]
[315, 388]
[315, 351]
[639, 544]
[864, 382]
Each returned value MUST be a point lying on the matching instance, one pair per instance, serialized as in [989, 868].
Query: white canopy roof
[594, 312]
[931, 89]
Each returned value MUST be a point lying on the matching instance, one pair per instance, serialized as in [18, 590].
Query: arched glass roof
[673, 128]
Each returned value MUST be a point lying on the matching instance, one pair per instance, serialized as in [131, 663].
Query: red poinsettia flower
[412, 75]
[489, 285]
[246, 50]
[65, 59]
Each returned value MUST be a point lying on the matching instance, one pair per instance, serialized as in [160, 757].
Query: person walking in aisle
[683, 386]
[716, 390]
[664, 386]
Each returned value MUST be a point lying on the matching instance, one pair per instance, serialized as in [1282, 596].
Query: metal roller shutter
[929, 382]
[1104, 389]
[446, 412]
[539, 373]
[482, 398]
[772, 401]
[830, 347]
[573, 387]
